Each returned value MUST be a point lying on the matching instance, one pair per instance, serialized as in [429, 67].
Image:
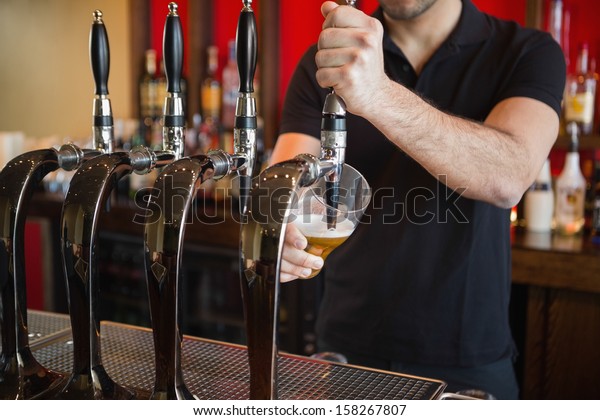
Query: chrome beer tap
[164, 234]
[244, 132]
[333, 143]
[269, 205]
[21, 376]
[89, 190]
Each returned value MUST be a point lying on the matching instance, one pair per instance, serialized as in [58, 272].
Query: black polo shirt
[426, 278]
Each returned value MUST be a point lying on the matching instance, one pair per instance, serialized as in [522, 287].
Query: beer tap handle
[244, 133]
[246, 48]
[99, 54]
[173, 50]
[102, 126]
[173, 115]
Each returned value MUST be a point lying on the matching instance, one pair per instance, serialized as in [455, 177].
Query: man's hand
[295, 262]
[350, 54]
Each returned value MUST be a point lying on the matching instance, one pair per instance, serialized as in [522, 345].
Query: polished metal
[269, 205]
[21, 376]
[88, 194]
[173, 193]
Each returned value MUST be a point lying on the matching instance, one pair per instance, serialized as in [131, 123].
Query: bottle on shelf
[148, 96]
[231, 85]
[210, 97]
[555, 20]
[595, 234]
[570, 190]
[580, 94]
[539, 202]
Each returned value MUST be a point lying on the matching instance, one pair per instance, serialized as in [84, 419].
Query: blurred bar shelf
[559, 278]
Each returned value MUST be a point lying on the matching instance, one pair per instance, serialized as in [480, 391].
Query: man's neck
[420, 37]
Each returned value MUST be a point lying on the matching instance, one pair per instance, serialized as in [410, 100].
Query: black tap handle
[99, 54]
[247, 48]
[173, 50]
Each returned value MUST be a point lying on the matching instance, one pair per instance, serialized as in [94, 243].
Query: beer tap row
[266, 203]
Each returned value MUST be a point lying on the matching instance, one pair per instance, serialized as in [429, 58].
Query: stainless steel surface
[215, 370]
[46, 327]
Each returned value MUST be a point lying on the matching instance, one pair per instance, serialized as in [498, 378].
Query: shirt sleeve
[539, 73]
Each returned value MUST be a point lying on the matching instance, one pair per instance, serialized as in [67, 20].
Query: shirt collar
[473, 27]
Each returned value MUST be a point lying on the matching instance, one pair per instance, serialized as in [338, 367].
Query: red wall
[301, 27]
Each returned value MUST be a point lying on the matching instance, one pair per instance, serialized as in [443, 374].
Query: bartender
[451, 114]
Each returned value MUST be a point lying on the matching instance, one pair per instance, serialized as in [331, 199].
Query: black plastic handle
[99, 54]
[247, 49]
[173, 50]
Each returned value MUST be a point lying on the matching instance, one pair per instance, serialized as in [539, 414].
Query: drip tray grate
[45, 327]
[214, 370]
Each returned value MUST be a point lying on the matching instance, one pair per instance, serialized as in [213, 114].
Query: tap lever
[102, 125]
[173, 50]
[99, 54]
[173, 116]
[246, 48]
[244, 133]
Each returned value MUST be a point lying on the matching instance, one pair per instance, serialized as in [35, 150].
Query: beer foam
[315, 225]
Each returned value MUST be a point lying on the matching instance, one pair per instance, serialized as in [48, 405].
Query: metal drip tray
[215, 370]
[46, 327]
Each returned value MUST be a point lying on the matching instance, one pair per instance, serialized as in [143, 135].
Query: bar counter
[557, 279]
[560, 278]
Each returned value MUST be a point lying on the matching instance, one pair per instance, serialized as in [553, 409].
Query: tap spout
[164, 234]
[333, 147]
[269, 204]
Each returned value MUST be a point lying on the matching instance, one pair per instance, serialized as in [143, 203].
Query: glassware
[310, 213]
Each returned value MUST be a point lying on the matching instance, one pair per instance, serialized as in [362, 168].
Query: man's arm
[494, 162]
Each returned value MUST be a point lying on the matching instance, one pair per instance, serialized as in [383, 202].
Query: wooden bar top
[555, 261]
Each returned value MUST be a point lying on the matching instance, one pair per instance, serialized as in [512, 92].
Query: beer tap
[269, 205]
[21, 376]
[333, 144]
[244, 132]
[89, 190]
[164, 235]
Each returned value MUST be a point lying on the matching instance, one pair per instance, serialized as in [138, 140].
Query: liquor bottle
[555, 20]
[539, 202]
[231, 85]
[596, 201]
[570, 190]
[148, 90]
[580, 94]
[211, 98]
